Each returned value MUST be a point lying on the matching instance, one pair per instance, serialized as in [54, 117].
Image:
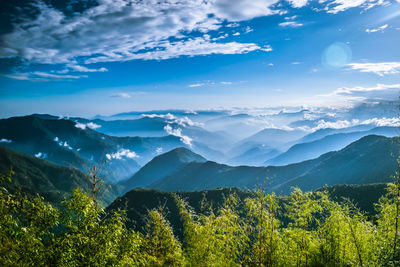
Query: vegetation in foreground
[316, 231]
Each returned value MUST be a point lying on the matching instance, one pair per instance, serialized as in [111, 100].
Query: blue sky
[104, 57]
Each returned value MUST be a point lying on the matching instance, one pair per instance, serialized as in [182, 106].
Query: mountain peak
[183, 154]
[161, 166]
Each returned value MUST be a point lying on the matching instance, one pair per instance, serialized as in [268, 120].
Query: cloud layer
[123, 30]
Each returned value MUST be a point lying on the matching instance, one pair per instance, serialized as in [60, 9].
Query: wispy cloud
[194, 85]
[381, 68]
[121, 95]
[209, 83]
[292, 24]
[337, 6]
[178, 133]
[122, 153]
[298, 3]
[122, 30]
[42, 76]
[226, 83]
[144, 31]
[80, 68]
[360, 93]
[379, 29]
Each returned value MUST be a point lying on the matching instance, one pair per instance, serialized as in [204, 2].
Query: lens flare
[336, 55]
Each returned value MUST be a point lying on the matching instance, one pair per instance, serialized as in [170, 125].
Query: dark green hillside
[138, 202]
[371, 159]
[161, 166]
[364, 196]
[53, 182]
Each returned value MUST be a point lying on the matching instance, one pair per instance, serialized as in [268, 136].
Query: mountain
[372, 159]
[321, 133]
[53, 182]
[265, 139]
[66, 143]
[143, 126]
[310, 150]
[274, 137]
[193, 136]
[255, 156]
[161, 166]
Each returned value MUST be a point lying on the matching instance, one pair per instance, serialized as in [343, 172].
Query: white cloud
[121, 95]
[83, 126]
[121, 30]
[42, 76]
[65, 144]
[159, 150]
[196, 85]
[4, 140]
[340, 124]
[122, 153]
[93, 125]
[360, 89]
[292, 24]
[80, 68]
[267, 48]
[172, 119]
[298, 3]
[41, 155]
[379, 29]
[57, 76]
[360, 93]
[167, 116]
[248, 29]
[192, 47]
[80, 126]
[236, 34]
[394, 122]
[342, 5]
[178, 133]
[381, 69]
[226, 83]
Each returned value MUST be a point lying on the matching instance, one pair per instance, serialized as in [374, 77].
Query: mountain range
[355, 164]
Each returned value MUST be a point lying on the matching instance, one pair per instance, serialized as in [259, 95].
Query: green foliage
[307, 229]
[160, 245]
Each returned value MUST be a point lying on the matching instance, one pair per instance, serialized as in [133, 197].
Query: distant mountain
[69, 143]
[161, 166]
[204, 142]
[261, 144]
[273, 137]
[321, 133]
[53, 182]
[371, 159]
[334, 142]
[255, 156]
[143, 126]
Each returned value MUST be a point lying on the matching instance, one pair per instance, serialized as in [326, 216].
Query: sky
[81, 58]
